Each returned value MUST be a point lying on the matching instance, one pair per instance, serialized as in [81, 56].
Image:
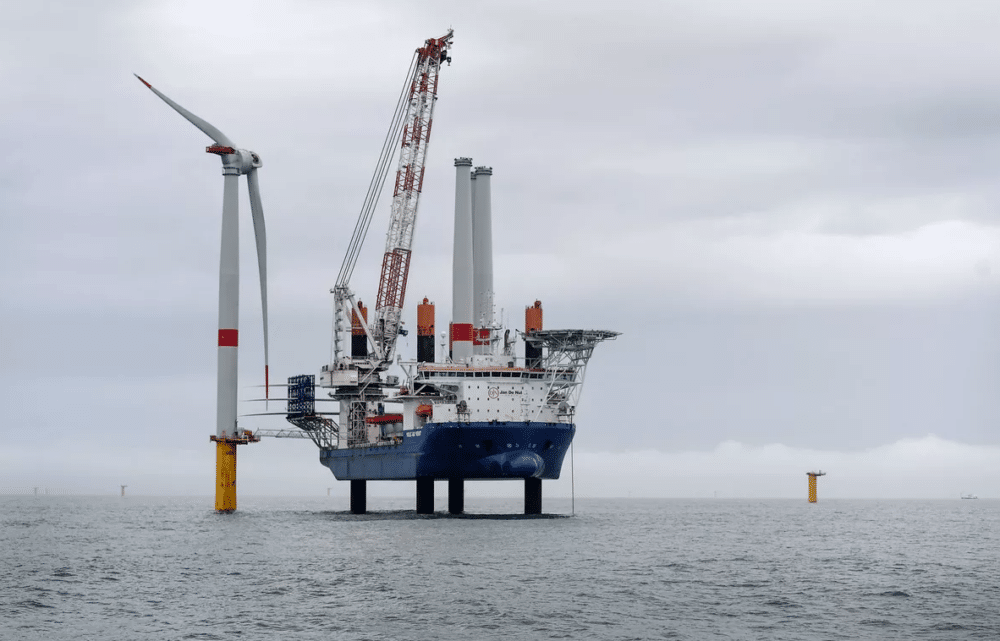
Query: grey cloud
[616, 137]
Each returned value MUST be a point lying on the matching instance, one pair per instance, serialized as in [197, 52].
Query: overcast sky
[790, 210]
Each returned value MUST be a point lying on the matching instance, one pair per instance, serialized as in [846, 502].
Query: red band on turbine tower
[229, 337]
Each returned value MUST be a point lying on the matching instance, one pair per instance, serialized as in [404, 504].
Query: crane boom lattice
[417, 122]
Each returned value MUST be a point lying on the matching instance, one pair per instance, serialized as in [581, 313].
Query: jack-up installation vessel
[478, 411]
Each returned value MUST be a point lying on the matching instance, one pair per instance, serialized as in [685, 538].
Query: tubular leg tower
[456, 496]
[358, 496]
[425, 495]
[460, 331]
[532, 496]
[812, 484]
[482, 260]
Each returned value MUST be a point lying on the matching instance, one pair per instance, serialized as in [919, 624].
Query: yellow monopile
[812, 484]
[225, 476]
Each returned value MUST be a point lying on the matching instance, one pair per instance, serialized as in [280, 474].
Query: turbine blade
[257, 210]
[210, 131]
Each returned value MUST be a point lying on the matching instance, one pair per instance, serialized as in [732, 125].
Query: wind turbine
[235, 163]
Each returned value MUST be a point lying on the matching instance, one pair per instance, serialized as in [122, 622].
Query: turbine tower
[235, 163]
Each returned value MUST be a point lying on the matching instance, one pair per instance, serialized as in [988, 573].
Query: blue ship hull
[494, 450]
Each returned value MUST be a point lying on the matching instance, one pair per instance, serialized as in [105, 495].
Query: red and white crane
[356, 374]
[411, 127]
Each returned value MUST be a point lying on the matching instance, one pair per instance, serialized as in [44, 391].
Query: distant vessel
[969, 496]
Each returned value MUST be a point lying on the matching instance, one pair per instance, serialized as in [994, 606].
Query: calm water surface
[162, 568]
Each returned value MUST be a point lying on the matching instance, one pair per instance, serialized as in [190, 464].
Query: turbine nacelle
[242, 160]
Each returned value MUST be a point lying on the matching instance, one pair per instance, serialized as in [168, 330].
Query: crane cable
[389, 145]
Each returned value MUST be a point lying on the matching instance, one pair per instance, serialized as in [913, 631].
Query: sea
[79, 567]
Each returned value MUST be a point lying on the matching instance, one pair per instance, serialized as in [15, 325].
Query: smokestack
[359, 342]
[532, 323]
[425, 332]
[462, 266]
[482, 253]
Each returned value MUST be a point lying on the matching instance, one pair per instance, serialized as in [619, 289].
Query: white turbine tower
[235, 162]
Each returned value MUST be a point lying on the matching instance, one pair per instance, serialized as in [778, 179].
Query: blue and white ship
[496, 417]
[485, 405]
[473, 409]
